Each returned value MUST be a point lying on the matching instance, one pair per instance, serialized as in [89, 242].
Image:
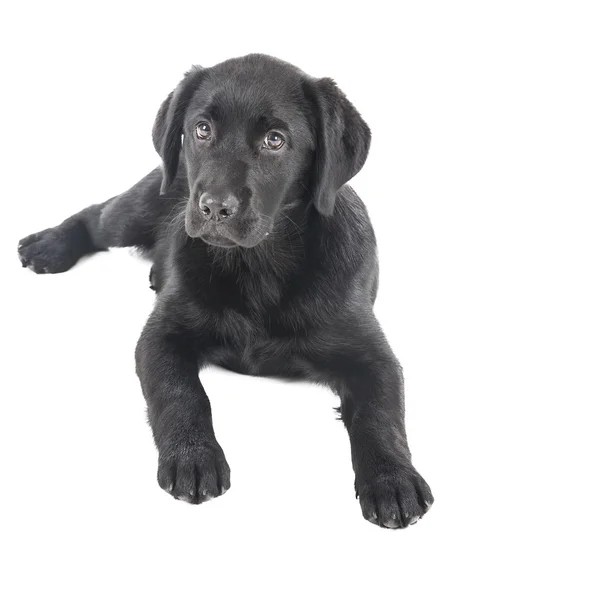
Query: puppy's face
[255, 134]
[247, 146]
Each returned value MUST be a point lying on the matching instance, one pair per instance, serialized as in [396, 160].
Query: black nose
[211, 206]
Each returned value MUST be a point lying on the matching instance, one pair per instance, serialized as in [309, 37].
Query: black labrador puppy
[264, 262]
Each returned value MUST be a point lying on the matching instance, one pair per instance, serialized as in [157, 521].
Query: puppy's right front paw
[50, 251]
[195, 473]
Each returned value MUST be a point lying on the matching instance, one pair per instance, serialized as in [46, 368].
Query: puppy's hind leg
[130, 219]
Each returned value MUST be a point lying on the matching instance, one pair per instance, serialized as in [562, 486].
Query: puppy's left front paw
[394, 499]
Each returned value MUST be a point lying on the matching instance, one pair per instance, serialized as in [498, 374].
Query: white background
[483, 186]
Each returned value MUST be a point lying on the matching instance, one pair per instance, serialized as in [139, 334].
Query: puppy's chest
[256, 325]
[250, 305]
[260, 334]
[256, 319]
[256, 344]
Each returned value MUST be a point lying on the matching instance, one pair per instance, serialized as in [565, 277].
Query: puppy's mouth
[216, 240]
[246, 232]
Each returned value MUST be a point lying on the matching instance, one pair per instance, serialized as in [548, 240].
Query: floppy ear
[168, 125]
[343, 140]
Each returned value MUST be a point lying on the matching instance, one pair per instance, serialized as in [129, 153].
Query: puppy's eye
[274, 140]
[203, 130]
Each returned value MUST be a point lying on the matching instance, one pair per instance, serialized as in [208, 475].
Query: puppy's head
[251, 135]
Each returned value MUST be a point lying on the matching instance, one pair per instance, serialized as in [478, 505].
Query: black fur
[268, 266]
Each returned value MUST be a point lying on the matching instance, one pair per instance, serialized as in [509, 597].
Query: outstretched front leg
[130, 219]
[355, 359]
[191, 464]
